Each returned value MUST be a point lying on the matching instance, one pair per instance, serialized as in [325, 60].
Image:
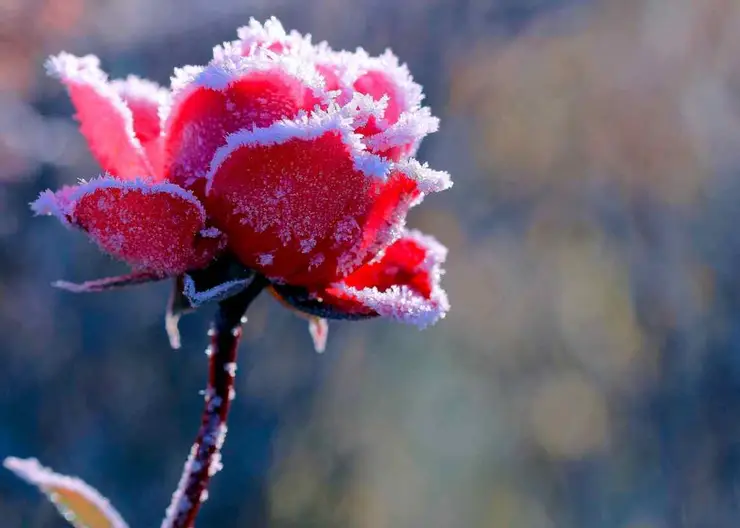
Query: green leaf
[80, 504]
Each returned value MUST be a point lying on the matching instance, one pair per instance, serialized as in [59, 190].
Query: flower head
[279, 157]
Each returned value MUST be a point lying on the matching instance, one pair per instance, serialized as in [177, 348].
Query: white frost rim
[403, 304]
[56, 204]
[304, 127]
[85, 71]
[47, 480]
[230, 66]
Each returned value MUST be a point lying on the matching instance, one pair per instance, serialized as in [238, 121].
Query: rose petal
[402, 138]
[271, 36]
[149, 104]
[383, 79]
[230, 94]
[403, 284]
[54, 203]
[105, 120]
[409, 181]
[384, 76]
[155, 227]
[295, 196]
[383, 224]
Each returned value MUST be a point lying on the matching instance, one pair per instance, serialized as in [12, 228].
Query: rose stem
[205, 456]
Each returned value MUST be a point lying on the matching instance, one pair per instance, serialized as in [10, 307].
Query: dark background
[588, 374]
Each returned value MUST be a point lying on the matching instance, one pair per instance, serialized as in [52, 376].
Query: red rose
[292, 160]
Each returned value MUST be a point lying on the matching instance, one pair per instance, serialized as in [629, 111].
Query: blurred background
[588, 374]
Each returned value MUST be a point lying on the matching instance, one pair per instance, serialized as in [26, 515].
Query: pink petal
[271, 36]
[230, 94]
[396, 130]
[55, 203]
[403, 284]
[402, 138]
[149, 104]
[384, 76]
[407, 185]
[105, 120]
[296, 196]
[152, 227]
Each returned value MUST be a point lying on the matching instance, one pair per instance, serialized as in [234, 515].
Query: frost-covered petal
[105, 120]
[402, 284]
[407, 184]
[271, 36]
[386, 217]
[295, 197]
[54, 203]
[154, 227]
[402, 138]
[230, 94]
[149, 104]
[383, 79]
[384, 76]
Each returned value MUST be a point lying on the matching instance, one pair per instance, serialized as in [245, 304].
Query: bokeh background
[588, 374]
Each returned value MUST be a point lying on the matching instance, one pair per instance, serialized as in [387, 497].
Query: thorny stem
[205, 456]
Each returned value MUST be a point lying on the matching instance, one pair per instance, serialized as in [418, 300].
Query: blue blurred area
[588, 374]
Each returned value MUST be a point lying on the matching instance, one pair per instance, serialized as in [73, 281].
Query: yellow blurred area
[636, 92]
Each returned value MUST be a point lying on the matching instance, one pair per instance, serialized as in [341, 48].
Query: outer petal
[409, 182]
[153, 227]
[149, 104]
[232, 93]
[403, 284]
[295, 197]
[105, 120]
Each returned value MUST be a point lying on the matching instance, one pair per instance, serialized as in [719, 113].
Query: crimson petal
[153, 227]
[294, 198]
[148, 103]
[403, 284]
[105, 120]
[231, 93]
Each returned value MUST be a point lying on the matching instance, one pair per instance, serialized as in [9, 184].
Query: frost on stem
[205, 456]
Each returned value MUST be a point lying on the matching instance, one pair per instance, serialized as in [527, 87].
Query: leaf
[80, 504]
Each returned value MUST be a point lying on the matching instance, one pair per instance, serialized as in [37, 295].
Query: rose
[278, 158]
